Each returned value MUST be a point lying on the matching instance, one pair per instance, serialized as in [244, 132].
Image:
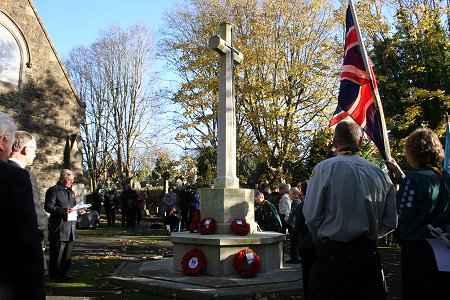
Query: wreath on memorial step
[193, 263]
[240, 227]
[207, 226]
[247, 263]
[195, 221]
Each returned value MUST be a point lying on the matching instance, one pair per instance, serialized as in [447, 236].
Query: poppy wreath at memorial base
[193, 263]
[240, 227]
[247, 263]
[195, 221]
[207, 226]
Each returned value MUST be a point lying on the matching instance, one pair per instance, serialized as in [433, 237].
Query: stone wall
[45, 102]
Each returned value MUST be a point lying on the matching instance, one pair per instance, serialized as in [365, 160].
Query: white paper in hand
[72, 216]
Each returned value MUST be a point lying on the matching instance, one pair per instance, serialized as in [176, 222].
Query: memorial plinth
[226, 205]
[219, 250]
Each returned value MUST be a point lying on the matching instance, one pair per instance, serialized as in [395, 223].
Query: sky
[72, 23]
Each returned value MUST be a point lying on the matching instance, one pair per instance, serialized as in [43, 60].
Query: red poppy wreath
[194, 224]
[240, 227]
[193, 263]
[207, 226]
[247, 263]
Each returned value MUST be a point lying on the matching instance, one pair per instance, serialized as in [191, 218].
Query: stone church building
[36, 91]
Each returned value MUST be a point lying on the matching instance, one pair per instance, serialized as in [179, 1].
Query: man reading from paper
[60, 203]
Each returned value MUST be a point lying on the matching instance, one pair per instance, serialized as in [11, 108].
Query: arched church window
[14, 52]
[9, 57]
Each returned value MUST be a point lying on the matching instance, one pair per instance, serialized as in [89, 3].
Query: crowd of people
[188, 202]
[334, 219]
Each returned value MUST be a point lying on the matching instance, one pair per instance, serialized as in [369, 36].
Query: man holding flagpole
[350, 202]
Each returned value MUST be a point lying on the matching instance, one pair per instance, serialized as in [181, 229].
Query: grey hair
[65, 173]
[283, 186]
[7, 127]
[21, 140]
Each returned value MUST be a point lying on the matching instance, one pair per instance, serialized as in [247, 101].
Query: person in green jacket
[266, 214]
[423, 198]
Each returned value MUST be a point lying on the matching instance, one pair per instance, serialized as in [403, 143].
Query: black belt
[361, 238]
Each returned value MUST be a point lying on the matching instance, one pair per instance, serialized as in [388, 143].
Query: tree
[413, 68]
[95, 127]
[206, 166]
[114, 77]
[283, 89]
[164, 163]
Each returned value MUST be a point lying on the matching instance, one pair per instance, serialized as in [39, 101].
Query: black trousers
[130, 221]
[124, 217]
[294, 244]
[60, 259]
[139, 216]
[284, 224]
[420, 276]
[309, 256]
[347, 271]
[110, 216]
[185, 217]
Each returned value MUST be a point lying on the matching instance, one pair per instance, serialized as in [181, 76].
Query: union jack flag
[356, 94]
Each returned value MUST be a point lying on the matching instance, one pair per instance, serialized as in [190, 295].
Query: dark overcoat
[57, 200]
[22, 267]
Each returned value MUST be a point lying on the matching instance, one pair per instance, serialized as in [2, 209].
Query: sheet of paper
[81, 206]
[441, 253]
[72, 216]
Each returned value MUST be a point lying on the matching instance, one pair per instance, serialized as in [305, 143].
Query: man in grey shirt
[349, 204]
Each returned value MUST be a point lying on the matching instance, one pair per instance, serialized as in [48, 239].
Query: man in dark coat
[97, 198]
[186, 200]
[22, 270]
[59, 201]
[23, 154]
[110, 207]
[129, 199]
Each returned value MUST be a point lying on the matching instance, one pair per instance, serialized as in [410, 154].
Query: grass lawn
[98, 252]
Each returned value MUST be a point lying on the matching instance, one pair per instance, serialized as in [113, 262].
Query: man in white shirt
[284, 206]
[349, 204]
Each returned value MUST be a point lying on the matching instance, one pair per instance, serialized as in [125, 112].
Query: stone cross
[226, 148]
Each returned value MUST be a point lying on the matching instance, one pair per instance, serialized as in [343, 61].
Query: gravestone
[226, 201]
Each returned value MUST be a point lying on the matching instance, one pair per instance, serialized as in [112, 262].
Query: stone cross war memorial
[226, 201]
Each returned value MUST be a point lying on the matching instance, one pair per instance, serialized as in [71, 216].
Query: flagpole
[445, 164]
[376, 95]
